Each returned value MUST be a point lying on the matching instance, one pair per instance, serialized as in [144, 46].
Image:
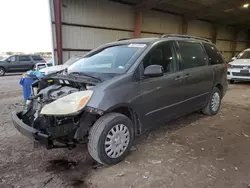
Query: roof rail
[185, 36]
[124, 39]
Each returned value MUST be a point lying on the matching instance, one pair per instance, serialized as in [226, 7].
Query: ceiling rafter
[234, 19]
[214, 8]
[149, 4]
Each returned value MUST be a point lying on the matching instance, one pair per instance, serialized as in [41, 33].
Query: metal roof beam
[214, 9]
[148, 4]
[243, 19]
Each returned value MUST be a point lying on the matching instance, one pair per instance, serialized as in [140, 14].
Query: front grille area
[240, 67]
[240, 74]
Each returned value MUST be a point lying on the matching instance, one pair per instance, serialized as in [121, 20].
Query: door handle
[187, 75]
[177, 78]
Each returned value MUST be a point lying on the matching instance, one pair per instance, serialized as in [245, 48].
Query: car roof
[26, 55]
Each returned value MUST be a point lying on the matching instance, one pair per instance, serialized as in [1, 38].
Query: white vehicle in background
[53, 69]
[238, 69]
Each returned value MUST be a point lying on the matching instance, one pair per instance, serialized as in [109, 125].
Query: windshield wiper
[86, 75]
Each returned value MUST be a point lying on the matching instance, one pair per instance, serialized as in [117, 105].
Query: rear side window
[36, 58]
[24, 58]
[192, 55]
[213, 54]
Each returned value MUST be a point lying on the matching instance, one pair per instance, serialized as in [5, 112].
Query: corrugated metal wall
[242, 42]
[90, 23]
[157, 23]
[87, 24]
[200, 28]
[224, 41]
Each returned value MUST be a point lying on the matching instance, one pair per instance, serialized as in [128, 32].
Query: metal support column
[184, 28]
[138, 24]
[248, 38]
[58, 25]
[214, 33]
[234, 44]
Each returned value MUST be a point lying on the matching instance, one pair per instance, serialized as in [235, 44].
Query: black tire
[208, 110]
[231, 81]
[2, 71]
[98, 135]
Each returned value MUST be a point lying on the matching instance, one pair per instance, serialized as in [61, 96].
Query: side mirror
[234, 58]
[153, 71]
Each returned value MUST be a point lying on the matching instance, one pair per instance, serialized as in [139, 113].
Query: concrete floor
[196, 151]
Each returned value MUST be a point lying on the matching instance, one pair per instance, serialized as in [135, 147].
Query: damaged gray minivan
[122, 89]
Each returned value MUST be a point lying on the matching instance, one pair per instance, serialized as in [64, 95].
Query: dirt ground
[193, 152]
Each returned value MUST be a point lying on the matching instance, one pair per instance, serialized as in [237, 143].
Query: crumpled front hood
[241, 62]
[53, 69]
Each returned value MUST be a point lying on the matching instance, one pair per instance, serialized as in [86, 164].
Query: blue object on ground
[27, 80]
[26, 83]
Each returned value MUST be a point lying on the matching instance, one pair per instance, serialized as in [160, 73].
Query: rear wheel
[2, 71]
[111, 138]
[213, 105]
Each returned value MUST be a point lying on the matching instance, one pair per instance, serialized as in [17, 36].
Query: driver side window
[12, 59]
[162, 54]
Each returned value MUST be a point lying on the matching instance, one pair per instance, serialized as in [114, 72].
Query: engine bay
[46, 91]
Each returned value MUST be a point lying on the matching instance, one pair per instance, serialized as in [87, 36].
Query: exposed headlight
[69, 104]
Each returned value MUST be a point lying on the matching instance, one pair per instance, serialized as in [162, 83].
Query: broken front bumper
[31, 132]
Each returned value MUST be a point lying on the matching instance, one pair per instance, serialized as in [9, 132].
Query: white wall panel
[154, 21]
[89, 38]
[54, 35]
[69, 54]
[241, 46]
[242, 36]
[66, 56]
[147, 35]
[51, 6]
[224, 45]
[227, 55]
[103, 13]
[77, 53]
[199, 28]
[225, 32]
[98, 13]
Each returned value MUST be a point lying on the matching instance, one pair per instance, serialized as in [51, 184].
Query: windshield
[5, 58]
[244, 55]
[72, 60]
[110, 60]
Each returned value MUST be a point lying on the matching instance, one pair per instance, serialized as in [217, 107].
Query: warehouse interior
[193, 151]
[81, 25]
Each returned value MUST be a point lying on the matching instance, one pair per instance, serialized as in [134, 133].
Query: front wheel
[111, 138]
[2, 71]
[213, 105]
[231, 81]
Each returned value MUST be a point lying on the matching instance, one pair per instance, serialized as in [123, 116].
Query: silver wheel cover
[215, 102]
[117, 141]
[1, 71]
